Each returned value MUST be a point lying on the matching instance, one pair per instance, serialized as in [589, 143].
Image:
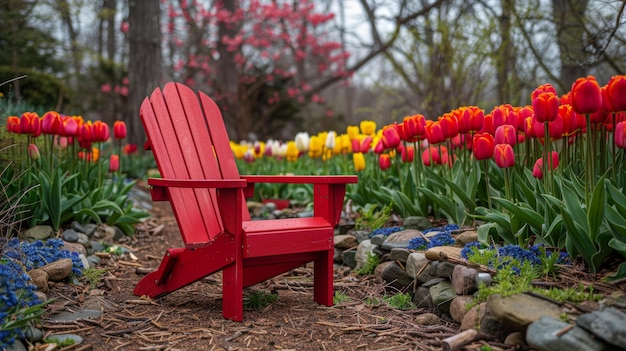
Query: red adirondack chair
[200, 179]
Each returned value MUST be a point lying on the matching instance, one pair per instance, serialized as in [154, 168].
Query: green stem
[487, 187]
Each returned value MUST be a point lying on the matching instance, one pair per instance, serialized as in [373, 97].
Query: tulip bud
[33, 152]
[114, 163]
[119, 130]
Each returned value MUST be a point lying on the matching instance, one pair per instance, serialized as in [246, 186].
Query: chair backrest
[189, 141]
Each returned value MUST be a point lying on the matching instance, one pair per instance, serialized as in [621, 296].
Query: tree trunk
[109, 9]
[505, 58]
[568, 18]
[144, 67]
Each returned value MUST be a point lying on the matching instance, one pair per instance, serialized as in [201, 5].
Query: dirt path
[190, 318]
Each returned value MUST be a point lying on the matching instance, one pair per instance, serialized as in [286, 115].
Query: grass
[259, 299]
[401, 301]
[93, 275]
[340, 297]
[368, 268]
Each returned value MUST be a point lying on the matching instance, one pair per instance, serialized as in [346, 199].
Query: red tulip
[408, 153]
[482, 146]
[620, 135]
[100, 131]
[30, 124]
[13, 125]
[70, 127]
[522, 114]
[379, 147]
[119, 130]
[130, 149]
[434, 133]
[586, 95]
[538, 167]
[546, 107]
[544, 88]
[566, 99]
[366, 143]
[506, 134]
[488, 126]
[471, 119]
[414, 127]
[114, 163]
[356, 145]
[391, 138]
[384, 161]
[502, 115]
[504, 156]
[570, 120]
[449, 125]
[51, 123]
[599, 116]
[616, 91]
[431, 156]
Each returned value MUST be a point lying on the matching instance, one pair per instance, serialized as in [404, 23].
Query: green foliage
[401, 301]
[371, 219]
[340, 297]
[37, 88]
[368, 268]
[259, 299]
[93, 276]
[60, 343]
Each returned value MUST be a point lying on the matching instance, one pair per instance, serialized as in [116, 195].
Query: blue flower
[385, 231]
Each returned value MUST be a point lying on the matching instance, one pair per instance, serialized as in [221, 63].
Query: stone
[464, 280]
[416, 263]
[473, 316]
[337, 255]
[84, 261]
[390, 245]
[433, 282]
[432, 268]
[400, 255]
[520, 310]
[75, 247]
[378, 271]
[96, 246]
[458, 307]
[67, 317]
[484, 278]
[442, 295]
[17, 345]
[466, 237]
[422, 299]
[345, 241]
[83, 239]
[70, 235]
[403, 235]
[516, 338]
[427, 319]
[417, 222]
[361, 235]
[65, 338]
[395, 275]
[345, 227]
[441, 252]
[58, 270]
[549, 334]
[33, 334]
[348, 257]
[363, 251]
[39, 278]
[378, 239]
[78, 227]
[427, 274]
[90, 229]
[38, 232]
[608, 324]
[445, 269]
[93, 260]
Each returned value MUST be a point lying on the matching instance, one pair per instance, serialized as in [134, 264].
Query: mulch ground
[191, 319]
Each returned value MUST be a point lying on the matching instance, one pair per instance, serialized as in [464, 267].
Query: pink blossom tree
[261, 60]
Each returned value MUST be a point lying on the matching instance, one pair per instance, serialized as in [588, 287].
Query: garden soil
[191, 318]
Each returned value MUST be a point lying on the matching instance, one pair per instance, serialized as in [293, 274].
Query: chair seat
[286, 236]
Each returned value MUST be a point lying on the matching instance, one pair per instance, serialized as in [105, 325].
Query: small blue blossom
[385, 231]
[468, 251]
[418, 243]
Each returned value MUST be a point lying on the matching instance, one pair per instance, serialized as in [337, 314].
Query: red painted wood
[188, 138]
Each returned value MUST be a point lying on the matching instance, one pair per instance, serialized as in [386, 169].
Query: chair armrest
[301, 179]
[159, 185]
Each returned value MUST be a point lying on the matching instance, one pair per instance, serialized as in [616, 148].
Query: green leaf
[620, 274]
[574, 208]
[617, 223]
[527, 215]
[595, 212]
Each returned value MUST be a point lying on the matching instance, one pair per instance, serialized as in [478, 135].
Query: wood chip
[126, 263]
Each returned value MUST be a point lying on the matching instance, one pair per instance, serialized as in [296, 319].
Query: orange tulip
[586, 95]
[384, 161]
[414, 127]
[502, 115]
[434, 133]
[544, 88]
[506, 134]
[13, 125]
[483, 145]
[504, 156]
[471, 120]
[449, 125]
[30, 124]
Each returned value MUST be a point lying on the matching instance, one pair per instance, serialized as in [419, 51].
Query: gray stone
[400, 255]
[346, 227]
[345, 241]
[58, 270]
[33, 334]
[445, 269]
[90, 229]
[427, 275]
[362, 253]
[337, 255]
[422, 299]
[473, 316]
[542, 336]
[70, 235]
[417, 222]
[403, 235]
[39, 278]
[348, 258]
[84, 261]
[464, 280]
[390, 245]
[38, 232]
[442, 295]
[427, 319]
[516, 338]
[78, 227]
[520, 310]
[484, 279]
[17, 345]
[83, 239]
[416, 263]
[378, 271]
[69, 317]
[458, 307]
[378, 239]
[608, 324]
[93, 260]
[466, 237]
[432, 268]
[305, 214]
[361, 235]
[441, 252]
[396, 276]
[433, 282]
[96, 246]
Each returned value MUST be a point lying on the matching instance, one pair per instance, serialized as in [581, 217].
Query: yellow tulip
[315, 146]
[292, 151]
[368, 127]
[359, 161]
[352, 131]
